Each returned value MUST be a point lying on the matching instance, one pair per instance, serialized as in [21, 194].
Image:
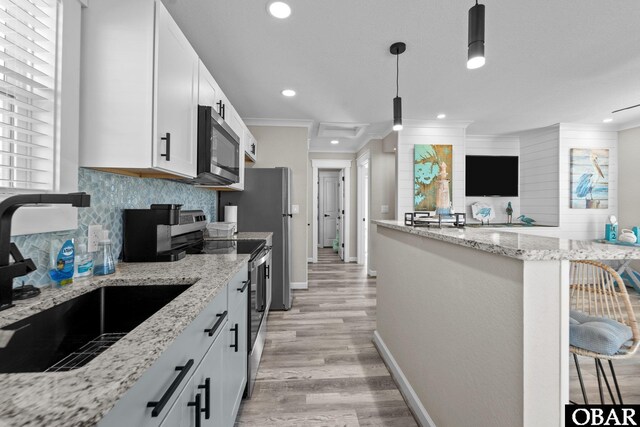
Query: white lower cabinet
[201, 369]
[200, 403]
[235, 359]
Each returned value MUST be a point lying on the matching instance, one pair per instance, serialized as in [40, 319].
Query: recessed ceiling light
[335, 141]
[442, 116]
[279, 9]
[607, 120]
[288, 92]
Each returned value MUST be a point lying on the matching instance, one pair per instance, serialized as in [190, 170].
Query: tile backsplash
[110, 194]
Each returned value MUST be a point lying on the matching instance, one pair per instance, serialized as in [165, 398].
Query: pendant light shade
[397, 113]
[397, 49]
[475, 58]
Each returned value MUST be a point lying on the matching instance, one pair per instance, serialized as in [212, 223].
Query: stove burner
[25, 292]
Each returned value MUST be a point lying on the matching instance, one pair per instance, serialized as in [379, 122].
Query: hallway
[319, 366]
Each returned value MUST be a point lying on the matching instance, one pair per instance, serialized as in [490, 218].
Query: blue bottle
[104, 259]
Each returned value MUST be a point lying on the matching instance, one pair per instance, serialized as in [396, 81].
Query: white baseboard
[372, 273]
[353, 259]
[299, 285]
[410, 396]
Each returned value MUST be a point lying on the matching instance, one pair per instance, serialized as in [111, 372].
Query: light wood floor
[319, 366]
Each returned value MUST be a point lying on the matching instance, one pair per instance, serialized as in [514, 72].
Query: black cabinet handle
[198, 408]
[219, 104]
[159, 405]
[235, 334]
[244, 287]
[253, 148]
[216, 325]
[207, 398]
[326, 215]
[167, 138]
[267, 271]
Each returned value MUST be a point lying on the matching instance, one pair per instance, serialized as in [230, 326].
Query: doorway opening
[363, 208]
[333, 228]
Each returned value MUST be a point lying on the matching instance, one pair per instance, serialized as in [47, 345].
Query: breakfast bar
[474, 323]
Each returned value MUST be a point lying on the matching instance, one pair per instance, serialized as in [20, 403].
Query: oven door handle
[263, 257]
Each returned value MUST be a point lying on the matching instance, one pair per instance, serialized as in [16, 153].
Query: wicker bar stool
[598, 294]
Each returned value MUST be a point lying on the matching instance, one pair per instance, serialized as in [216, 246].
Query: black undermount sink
[71, 334]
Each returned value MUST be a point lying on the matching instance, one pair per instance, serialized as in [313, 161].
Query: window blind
[28, 46]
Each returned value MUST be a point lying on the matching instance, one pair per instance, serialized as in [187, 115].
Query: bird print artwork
[589, 172]
[526, 220]
[482, 212]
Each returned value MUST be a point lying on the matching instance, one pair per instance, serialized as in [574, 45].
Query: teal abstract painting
[427, 164]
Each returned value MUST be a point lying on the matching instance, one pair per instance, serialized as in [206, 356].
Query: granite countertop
[81, 397]
[519, 245]
[245, 235]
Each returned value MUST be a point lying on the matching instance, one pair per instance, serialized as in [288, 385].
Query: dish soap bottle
[84, 262]
[104, 259]
[61, 256]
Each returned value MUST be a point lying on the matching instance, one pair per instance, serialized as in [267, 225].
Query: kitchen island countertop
[81, 397]
[519, 245]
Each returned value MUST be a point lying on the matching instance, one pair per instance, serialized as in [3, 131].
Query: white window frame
[29, 220]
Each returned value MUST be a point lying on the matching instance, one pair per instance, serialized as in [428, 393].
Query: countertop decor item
[509, 213]
[483, 212]
[589, 178]
[526, 220]
[627, 236]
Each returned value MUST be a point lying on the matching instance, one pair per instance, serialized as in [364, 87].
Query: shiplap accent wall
[491, 145]
[540, 174]
[586, 223]
[429, 132]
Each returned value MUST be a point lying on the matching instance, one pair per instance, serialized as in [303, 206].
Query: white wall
[628, 179]
[491, 145]
[382, 189]
[436, 133]
[539, 175]
[586, 223]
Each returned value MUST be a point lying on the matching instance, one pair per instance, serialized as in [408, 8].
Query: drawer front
[239, 289]
[166, 373]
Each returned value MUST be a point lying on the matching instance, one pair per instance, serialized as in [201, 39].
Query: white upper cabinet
[250, 146]
[176, 101]
[139, 91]
[208, 90]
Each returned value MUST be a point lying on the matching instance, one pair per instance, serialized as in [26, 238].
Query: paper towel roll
[231, 214]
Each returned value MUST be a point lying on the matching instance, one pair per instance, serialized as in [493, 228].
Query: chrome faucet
[21, 266]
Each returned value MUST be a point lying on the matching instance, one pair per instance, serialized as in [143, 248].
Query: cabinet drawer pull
[235, 337]
[167, 138]
[207, 398]
[215, 327]
[267, 271]
[244, 287]
[159, 405]
[198, 408]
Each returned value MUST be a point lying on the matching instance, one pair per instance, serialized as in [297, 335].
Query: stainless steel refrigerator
[265, 205]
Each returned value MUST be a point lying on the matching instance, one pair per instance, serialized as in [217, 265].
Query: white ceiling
[547, 61]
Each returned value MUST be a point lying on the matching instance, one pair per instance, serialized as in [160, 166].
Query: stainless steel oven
[259, 304]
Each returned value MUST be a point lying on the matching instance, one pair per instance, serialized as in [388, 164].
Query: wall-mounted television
[491, 176]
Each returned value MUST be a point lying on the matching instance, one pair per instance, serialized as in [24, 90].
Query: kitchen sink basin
[71, 334]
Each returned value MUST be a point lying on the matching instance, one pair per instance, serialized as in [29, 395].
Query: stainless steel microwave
[218, 150]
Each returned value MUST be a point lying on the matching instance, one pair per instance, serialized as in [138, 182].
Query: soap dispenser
[104, 259]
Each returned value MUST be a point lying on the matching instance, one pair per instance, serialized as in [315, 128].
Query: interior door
[329, 212]
[175, 143]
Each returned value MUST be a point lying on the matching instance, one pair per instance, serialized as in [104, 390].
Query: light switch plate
[94, 237]
[295, 209]
[384, 209]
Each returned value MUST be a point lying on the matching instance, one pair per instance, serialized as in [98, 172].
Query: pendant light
[396, 49]
[475, 58]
